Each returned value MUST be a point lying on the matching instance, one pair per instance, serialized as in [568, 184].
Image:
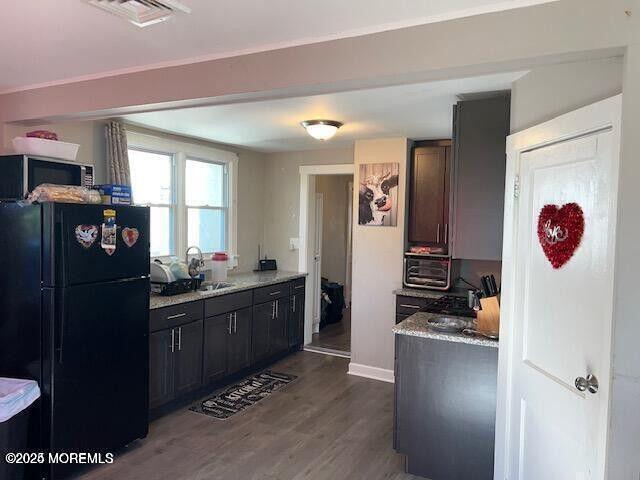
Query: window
[152, 184]
[206, 201]
[188, 189]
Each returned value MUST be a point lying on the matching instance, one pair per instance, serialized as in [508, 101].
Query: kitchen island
[445, 401]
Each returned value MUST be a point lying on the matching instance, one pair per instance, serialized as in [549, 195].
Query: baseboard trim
[374, 373]
[326, 351]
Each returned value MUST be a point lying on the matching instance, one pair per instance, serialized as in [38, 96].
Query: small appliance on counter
[266, 264]
[171, 279]
[427, 271]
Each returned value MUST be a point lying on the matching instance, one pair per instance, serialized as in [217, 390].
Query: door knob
[590, 383]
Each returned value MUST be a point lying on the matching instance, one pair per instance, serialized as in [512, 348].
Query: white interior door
[317, 261]
[557, 321]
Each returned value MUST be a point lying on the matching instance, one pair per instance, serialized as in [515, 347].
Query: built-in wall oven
[427, 271]
[22, 173]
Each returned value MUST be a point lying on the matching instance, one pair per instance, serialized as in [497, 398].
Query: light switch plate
[294, 244]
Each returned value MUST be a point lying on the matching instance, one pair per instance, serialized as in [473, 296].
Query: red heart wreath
[560, 232]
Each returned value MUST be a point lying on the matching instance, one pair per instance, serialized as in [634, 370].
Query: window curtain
[117, 154]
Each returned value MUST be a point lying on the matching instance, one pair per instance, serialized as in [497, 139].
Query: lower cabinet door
[239, 342]
[296, 320]
[262, 317]
[187, 369]
[216, 335]
[160, 368]
[278, 338]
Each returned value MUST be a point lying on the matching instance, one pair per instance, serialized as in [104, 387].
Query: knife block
[488, 319]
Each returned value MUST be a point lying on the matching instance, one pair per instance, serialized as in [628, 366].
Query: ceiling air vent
[141, 12]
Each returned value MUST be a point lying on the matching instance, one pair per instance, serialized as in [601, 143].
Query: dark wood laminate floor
[336, 336]
[326, 425]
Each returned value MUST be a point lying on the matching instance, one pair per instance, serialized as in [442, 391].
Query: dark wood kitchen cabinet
[188, 353]
[296, 317]
[480, 131]
[262, 316]
[227, 344]
[445, 407]
[160, 368]
[216, 332]
[175, 362]
[187, 375]
[429, 193]
[269, 335]
[239, 342]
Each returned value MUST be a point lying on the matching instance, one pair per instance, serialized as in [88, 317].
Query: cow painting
[378, 194]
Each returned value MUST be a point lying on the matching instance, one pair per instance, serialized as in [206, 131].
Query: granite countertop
[241, 281]
[416, 325]
[418, 293]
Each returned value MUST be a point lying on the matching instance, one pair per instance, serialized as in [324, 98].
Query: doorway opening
[326, 205]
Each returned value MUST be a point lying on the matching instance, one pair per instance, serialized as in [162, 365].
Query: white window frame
[181, 151]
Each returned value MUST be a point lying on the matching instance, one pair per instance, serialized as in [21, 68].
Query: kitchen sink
[212, 286]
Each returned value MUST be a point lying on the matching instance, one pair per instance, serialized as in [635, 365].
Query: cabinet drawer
[168, 317]
[272, 292]
[227, 303]
[409, 305]
[297, 286]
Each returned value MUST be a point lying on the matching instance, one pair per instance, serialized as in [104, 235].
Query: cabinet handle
[438, 234]
[273, 310]
[277, 307]
[235, 322]
[173, 336]
[297, 287]
[293, 303]
[177, 315]
[406, 305]
[179, 338]
[275, 293]
[446, 233]
[229, 326]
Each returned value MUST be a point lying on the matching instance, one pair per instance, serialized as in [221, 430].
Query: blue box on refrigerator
[114, 194]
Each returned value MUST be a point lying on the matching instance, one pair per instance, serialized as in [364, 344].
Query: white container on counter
[219, 266]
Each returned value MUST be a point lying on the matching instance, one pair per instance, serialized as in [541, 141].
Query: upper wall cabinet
[480, 131]
[429, 193]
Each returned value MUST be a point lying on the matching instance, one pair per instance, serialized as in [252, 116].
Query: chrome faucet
[196, 263]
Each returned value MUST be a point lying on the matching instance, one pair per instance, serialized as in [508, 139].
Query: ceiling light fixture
[141, 13]
[321, 129]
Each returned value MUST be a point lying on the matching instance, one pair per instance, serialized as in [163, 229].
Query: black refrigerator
[74, 309]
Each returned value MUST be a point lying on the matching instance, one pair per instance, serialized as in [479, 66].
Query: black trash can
[16, 396]
[333, 312]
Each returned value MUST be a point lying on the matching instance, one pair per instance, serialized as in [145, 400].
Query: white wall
[549, 91]
[377, 269]
[335, 191]
[282, 199]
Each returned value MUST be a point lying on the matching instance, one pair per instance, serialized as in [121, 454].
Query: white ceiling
[419, 111]
[52, 41]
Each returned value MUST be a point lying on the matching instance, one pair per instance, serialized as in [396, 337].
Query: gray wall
[377, 269]
[282, 198]
[552, 90]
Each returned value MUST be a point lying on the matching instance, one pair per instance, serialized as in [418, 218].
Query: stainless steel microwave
[22, 173]
[427, 271]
